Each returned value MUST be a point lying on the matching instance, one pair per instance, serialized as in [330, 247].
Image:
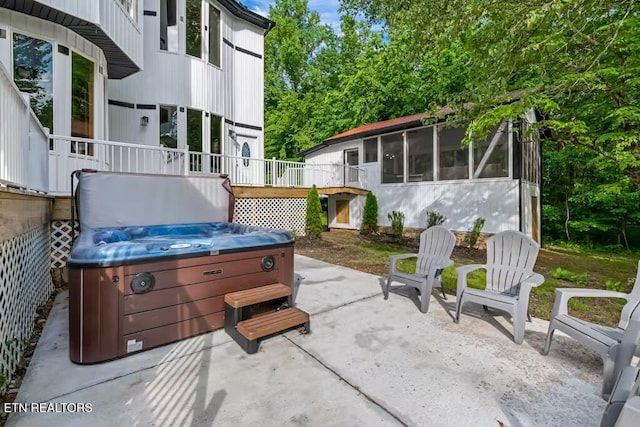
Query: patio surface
[367, 362]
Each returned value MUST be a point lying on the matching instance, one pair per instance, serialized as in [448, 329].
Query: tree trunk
[566, 221]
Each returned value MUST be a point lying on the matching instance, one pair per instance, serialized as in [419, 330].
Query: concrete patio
[367, 362]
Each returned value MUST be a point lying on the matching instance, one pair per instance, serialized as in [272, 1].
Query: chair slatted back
[632, 307]
[511, 256]
[436, 244]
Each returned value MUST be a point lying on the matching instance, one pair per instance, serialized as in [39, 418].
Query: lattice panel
[25, 283]
[284, 214]
[61, 242]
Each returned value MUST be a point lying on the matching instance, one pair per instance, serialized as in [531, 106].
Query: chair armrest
[533, 281]
[564, 294]
[393, 259]
[462, 275]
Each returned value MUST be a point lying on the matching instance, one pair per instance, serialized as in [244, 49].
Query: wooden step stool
[246, 330]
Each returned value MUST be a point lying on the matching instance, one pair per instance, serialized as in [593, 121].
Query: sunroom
[418, 168]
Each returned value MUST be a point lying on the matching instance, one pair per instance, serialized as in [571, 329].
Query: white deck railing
[70, 154]
[23, 141]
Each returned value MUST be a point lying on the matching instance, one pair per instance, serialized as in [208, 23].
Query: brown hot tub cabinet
[139, 278]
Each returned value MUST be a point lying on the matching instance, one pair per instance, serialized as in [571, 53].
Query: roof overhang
[242, 12]
[119, 65]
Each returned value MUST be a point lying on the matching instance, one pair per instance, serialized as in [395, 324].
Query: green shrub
[610, 285]
[397, 223]
[370, 215]
[313, 224]
[570, 276]
[475, 232]
[434, 218]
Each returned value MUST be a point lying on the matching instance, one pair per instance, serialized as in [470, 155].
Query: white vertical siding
[496, 200]
[530, 190]
[234, 91]
[249, 89]
[15, 22]
[122, 29]
[111, 17]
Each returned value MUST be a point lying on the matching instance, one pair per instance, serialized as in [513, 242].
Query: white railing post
[185, 153]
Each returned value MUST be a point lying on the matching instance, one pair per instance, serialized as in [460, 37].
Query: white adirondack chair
[616, 346]
[436, 246]
[510, 278]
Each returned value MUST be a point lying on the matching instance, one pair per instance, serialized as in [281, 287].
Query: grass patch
[570, 276]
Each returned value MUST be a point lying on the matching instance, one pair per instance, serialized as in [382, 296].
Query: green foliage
[570, 276]
[370, 215]
[614, 286]
[313, 223]
[397, 223]
[587, 96]
[320, 81]
[434, 218]
[475, 231]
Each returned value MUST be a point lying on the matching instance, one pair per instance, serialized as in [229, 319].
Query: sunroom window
[453, 159]
[392, 158]
[491, 156]
[420, 154]
[370, 150]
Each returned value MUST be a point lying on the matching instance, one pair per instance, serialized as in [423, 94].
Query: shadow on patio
[367, 362]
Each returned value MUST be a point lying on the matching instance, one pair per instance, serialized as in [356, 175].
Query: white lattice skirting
[25, 284]
[284, 214]
[60, 242]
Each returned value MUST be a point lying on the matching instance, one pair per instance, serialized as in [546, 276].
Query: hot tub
[134, 287]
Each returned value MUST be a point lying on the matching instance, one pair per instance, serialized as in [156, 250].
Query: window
[214, 36]
[454, 160]
[131, 7]
[493, 163]
[168, 126]
[169, 25]
[370, 150]
[194, 24]
[33, 73]
[194, 139]
[392, 158]
[420, 154]
[81, 102]
[215, 138]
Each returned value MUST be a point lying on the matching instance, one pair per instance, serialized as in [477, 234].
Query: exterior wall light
[144, 120]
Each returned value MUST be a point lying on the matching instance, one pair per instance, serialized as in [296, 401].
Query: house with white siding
[181, 74]
[416, 168]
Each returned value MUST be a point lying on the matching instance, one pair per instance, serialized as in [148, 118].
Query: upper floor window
[33, 73]
[131, 7]
[194, 25]
[169, 25]
[214, 36]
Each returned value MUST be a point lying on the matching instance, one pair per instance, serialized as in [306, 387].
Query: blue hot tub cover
[110, 246]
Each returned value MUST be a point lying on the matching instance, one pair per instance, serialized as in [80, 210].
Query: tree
[369, 223]
[576, 61]
[313, 224]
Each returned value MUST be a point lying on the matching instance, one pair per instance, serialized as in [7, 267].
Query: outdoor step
[271, 323]
[257, 295]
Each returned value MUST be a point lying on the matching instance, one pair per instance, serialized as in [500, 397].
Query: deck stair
[246, 328]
